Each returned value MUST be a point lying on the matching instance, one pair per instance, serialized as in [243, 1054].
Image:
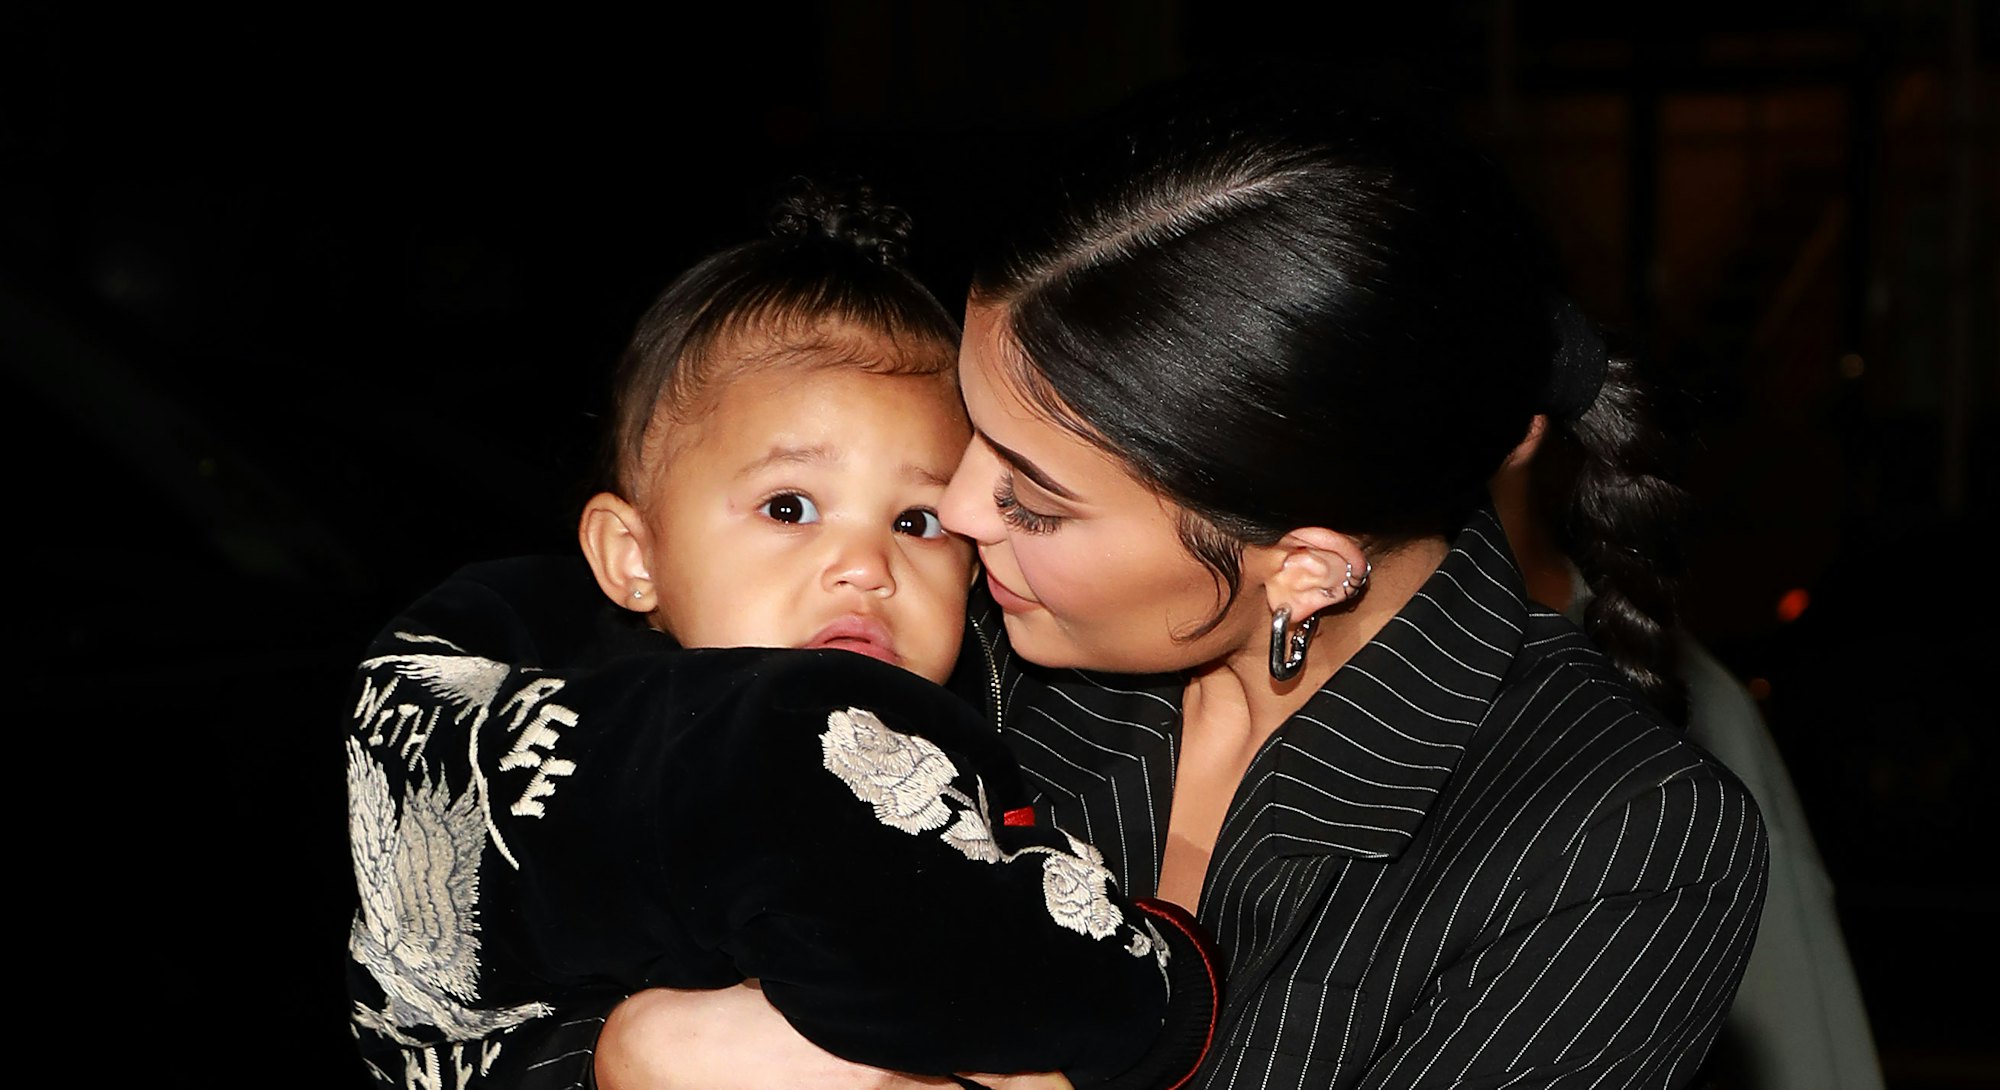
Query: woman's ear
[1524, 451]
[615, 541]
[1313, 568]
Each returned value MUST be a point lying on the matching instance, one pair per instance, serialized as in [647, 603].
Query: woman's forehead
[1037, 436]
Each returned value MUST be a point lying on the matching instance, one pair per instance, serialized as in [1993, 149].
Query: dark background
[298, 312]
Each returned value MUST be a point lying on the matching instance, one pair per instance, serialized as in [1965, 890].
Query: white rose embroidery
[1085, 850]
[972, 836]
[907, 780]
[1076, 892]
[904, 777]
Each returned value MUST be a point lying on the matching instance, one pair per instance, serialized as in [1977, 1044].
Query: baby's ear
[614, 540]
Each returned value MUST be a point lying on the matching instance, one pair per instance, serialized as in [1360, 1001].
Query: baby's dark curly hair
[849, 216]
[824, 286]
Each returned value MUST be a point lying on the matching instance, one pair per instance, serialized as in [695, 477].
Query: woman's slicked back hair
[1286, 303]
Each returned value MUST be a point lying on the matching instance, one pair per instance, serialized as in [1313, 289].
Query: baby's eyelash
[1019, 517]
[790, 507]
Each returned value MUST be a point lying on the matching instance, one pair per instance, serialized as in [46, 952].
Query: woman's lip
[1006, 598]
[859, 634]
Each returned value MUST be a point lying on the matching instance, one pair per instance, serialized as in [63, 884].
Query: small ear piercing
[637, 594]
[1348, 583]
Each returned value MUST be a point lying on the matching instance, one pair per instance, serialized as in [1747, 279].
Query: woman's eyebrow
[1028, 469]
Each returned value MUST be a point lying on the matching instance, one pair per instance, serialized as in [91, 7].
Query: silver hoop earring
[1288, 648]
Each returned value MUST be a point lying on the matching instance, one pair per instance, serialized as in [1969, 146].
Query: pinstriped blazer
[1474, 859]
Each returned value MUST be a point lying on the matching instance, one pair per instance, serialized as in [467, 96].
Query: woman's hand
[733, 1039]
[1044, 1080]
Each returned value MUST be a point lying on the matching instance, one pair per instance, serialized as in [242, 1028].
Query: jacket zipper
[998, 712]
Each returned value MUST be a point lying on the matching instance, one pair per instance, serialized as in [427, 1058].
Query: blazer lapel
[1353, 775]
[1101, 749]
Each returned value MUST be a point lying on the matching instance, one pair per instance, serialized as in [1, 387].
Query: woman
[1237, 389]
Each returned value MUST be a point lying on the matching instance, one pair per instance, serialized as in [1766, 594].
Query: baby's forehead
[830, 340]
[811, 411]
[775, 364]
[830, 381]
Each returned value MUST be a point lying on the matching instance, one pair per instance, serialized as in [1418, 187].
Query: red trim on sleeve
[1020, 815]
[1179, 918]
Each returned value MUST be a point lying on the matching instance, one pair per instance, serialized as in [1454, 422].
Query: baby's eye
[790, 507]
[920, 522]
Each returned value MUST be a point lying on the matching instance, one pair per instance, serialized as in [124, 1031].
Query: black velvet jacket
[552, 806]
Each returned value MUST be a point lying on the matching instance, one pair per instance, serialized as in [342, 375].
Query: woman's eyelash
[1019, 517]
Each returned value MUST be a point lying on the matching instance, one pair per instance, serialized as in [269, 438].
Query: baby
[783, 444]
[554, 804]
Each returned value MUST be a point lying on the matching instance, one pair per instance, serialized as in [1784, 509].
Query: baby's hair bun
[846, 215]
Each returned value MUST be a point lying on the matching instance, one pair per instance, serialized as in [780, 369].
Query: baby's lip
[861, 634]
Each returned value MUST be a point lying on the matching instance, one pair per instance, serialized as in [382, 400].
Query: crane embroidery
[417, 931]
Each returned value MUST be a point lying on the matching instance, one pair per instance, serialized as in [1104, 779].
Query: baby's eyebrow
[820, 454]
[817, 454]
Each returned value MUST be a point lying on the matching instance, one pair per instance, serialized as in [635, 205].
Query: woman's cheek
[1051, 574]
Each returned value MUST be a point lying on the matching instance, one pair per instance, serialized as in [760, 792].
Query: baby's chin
[874, 644]
[935, 674]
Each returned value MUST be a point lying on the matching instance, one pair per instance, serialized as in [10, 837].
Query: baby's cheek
[945, 587]
[940, 563]
[935, 619]
[964, 563]
[748, 613]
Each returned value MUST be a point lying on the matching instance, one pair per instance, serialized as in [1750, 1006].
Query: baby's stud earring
[637, 594]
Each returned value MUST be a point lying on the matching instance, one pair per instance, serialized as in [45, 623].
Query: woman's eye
[919, 522]
[1019, 517]
[790, 507]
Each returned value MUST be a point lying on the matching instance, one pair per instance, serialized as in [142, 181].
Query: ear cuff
[1348, 583]
[1288, 645]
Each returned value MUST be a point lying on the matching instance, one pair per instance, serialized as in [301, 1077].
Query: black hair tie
[1577, 370]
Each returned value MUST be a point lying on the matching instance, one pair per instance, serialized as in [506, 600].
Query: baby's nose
[862, 563]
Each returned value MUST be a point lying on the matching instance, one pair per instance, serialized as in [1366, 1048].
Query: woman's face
[1086, 562]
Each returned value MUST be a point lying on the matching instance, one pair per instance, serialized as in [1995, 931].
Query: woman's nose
[967, 507]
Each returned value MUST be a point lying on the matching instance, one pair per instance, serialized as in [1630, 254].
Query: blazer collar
[1358, 768]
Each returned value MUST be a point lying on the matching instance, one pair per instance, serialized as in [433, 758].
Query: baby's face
[801, 511]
